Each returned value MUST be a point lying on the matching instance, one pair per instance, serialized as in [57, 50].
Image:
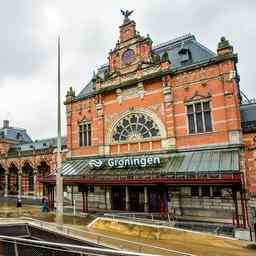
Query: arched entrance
[27, 179]
[43, 171]
[13, 180]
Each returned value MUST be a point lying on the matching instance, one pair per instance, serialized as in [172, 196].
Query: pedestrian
[45, 205]
[43, 200]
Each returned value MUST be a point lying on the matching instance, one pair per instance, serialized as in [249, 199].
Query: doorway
[158, 199]
[118, 198]
[136, 199]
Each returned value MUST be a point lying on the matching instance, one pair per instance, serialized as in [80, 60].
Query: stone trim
[147, 112]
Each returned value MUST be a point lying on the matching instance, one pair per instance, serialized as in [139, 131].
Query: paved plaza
[116, 236]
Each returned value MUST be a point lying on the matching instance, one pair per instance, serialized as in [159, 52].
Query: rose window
[135, 127]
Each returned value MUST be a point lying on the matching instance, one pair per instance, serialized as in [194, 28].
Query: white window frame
[194, 115]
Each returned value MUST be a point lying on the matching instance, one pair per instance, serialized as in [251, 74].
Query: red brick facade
[164, 100]
[164, 97]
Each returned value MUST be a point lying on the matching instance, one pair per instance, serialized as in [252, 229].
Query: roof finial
[126, 15]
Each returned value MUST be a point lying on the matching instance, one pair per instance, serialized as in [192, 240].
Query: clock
[128, 56]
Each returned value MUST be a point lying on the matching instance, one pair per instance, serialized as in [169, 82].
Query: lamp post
[59, 178]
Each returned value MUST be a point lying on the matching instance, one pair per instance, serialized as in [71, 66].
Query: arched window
[135, 126]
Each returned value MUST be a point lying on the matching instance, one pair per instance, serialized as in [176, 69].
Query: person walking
[45, 204]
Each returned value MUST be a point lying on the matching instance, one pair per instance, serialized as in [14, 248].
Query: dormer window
[185, 54]
[19, 136]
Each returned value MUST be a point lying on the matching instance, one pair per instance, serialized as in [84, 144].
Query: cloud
[28, 55]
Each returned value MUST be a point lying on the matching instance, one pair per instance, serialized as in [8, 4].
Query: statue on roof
[126, 14]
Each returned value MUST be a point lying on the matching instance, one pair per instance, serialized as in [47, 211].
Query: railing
[148, 218]
[34, 247]
[99, 239]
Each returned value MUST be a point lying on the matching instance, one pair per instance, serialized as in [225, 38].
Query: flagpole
[59, 178]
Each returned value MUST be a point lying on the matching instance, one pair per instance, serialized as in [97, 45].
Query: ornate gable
[131, 50]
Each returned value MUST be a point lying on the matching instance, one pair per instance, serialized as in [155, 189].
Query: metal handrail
[81, 250]
[97, 238]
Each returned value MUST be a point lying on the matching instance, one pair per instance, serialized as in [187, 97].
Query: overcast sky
[89, 29]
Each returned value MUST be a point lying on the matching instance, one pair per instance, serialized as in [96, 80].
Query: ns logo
[95, 163]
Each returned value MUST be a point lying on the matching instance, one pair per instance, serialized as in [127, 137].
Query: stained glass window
[135, 127]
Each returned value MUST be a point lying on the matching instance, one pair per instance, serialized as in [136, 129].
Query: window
[184, 54]
[85, 135]
[19, 136]
[194, 191]
[199, 117]
[30, 181]
[205, 191]
[216, 191]
[135, 127]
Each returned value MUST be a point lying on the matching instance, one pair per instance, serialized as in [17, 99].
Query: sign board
[125, 162]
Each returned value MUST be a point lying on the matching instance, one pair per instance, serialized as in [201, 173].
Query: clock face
[128, 56]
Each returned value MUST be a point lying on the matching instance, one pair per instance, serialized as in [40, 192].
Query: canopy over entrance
[198, 167]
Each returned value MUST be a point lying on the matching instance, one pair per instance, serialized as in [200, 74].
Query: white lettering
[125, 162]
[156, 160]
[111, 162]
[143, 162]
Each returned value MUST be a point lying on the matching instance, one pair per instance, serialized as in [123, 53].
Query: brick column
[127, 199]
[146, 199]
[170, 141]
[19, 182]
[35, 172]
[6, 175]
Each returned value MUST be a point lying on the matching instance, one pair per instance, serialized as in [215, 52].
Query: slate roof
[39, 145]
[248, 112]
[248, 117]
[189, 42]
[198, 53]
[15, 134]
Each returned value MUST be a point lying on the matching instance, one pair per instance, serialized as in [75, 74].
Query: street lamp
[59, 178]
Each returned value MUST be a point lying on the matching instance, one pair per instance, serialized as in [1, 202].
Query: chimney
[6, 124]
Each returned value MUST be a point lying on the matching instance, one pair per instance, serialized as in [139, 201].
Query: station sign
[125, 162]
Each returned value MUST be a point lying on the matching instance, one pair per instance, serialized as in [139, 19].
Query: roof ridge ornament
[126, 15]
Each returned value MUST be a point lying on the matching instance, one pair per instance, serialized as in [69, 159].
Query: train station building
[159, 128]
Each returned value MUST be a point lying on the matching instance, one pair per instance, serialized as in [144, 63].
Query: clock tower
[131, 51]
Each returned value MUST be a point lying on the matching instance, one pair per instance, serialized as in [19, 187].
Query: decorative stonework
[140, 89]
[104, 150]
[70, 95]
[197, 96]
[224, 47]
[167, 94]
[235, 137]
[119, 96]
[168, 143]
